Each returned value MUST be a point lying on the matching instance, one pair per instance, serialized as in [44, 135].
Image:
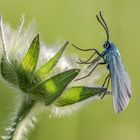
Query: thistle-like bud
[28, 68]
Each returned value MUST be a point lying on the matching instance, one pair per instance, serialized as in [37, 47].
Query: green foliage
[28, 64]
[46, 69]
[7, 71]
[77, 94]
[35, 87]
[50, 89]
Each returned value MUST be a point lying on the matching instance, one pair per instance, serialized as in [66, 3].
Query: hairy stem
[23, 111]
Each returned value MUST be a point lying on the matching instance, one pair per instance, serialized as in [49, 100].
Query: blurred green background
[75, 20]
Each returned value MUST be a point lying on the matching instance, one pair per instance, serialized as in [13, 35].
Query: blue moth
[120, 82]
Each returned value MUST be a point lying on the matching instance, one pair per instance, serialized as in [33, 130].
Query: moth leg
[87, 50]
[100, 55]
[100, 63]
[87, 61]
[108, 81]
[105, 80]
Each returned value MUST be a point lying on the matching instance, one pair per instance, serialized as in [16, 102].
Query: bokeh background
[75, 20]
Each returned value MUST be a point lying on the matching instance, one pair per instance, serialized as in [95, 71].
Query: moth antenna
[103, 24]
[107, 30]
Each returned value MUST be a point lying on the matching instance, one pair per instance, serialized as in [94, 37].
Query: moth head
[106, 44]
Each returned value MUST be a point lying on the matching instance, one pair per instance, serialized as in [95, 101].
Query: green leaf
[29, 62]
[78, 94]
[50, 89]
[46, 69]
[8, 71]
[27, 67]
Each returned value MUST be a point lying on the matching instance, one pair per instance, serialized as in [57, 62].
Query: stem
[18, 31]
[3, 39]
[23, 111]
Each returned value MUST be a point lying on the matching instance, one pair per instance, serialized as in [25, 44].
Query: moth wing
[121, 85]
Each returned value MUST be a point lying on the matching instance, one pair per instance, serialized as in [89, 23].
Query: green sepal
[77, 94]
[8, 70]
[47, 68]
[52, 88]
[28, 64]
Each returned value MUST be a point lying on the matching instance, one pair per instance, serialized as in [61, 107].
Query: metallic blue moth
[120, 82]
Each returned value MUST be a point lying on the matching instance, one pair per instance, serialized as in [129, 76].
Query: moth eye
[105, 45]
